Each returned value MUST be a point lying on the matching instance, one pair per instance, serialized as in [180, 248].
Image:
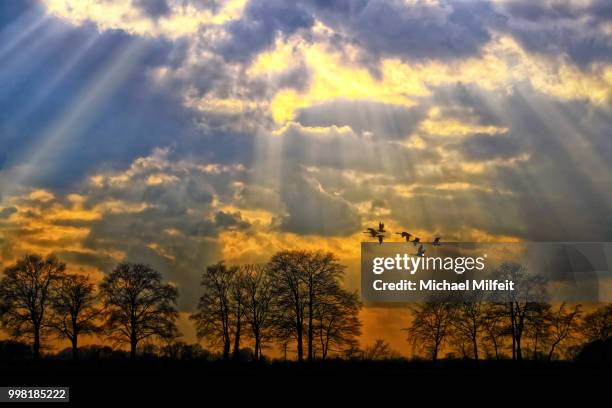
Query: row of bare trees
[39, 298]
[297, 296]
[511, 323]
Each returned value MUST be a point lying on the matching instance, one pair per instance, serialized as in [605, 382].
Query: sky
[184, 132]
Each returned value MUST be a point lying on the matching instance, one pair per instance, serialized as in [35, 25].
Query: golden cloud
[183, 19]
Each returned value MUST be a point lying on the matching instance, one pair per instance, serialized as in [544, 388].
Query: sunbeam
[22, 29]
[48, 147]
[53, 82]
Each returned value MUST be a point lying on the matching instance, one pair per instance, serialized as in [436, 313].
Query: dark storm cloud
[458, 99]
[153, 8]
[176, 231]
[383, 120]
[562, 27]
[451, 29]
[260, 24]
[313, 211]
[144, 237]
[102, 262]
[7, 212]
[486, 147]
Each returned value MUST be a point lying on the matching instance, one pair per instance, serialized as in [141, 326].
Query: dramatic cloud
[411, 29]
[180, 132]
[259, 26]
[578, 29]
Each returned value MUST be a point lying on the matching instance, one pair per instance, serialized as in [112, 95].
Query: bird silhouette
[380, 238]
[381, 227]
[421, 251]
[405, 234]
[372, 232]
[436, 241]
[416, 240]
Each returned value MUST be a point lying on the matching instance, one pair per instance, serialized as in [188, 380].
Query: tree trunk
[475, 343]
[236, 352]
[257, 347]
[552, 351]
[133, 344]
[519, 334]
[495, 348]
[226, 348]
[36, 346]
[300, 346]
[310, 331]
[75, 348]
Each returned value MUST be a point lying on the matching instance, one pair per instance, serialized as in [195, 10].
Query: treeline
[517, 325]
[294, 302]
[297, 297]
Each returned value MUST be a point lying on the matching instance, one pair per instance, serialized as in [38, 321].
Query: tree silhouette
[495, 329]
[238, 300]
[74, 309]
[521, 304]
[290, 295]
[320, 273]
[213, 318]
[138, 305]
[564, 324]
[469, 321]
[537, 327]
[597, 325]
[432, 324]
[258, 304]
[379, 350]
[25, 296]
[306, 284]
[336, 321]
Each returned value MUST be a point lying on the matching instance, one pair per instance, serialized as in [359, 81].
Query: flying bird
[416, 241]
[381, 227]
[405, 234]
[436, 241]
[373, 233]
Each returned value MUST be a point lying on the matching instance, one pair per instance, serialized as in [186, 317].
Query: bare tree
[522, 303]
[258, 304]
[597, 325]
[138, 305]
[213, 319]
[302, 282]
[320, 273]
[564, 324]
[238, 300]
[25, 296]
[74, 309]
[537, 327]
[469, 321]
[495, 328]
[379, 350]
[290, 295]
[336, 321]
[432, 325]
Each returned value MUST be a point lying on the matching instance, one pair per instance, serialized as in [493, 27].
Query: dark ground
[193, 383]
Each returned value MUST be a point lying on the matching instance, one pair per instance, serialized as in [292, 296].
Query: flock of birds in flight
[380, 235]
